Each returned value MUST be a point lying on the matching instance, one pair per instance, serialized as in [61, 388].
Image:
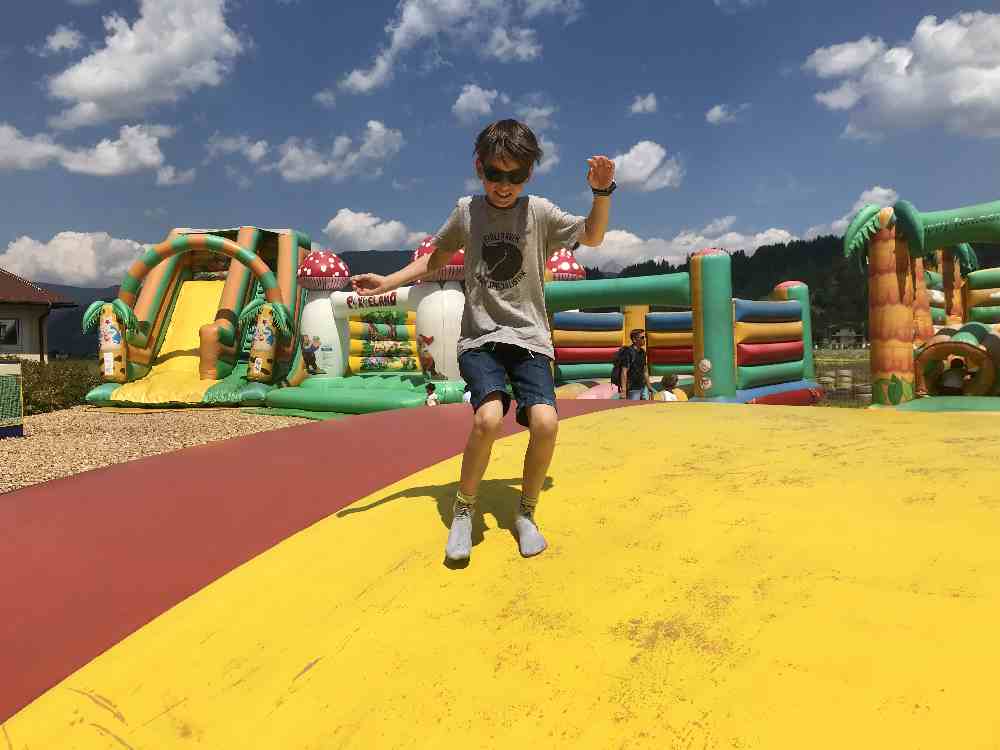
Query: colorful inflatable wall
[383, 341]
[738, 350]
[586, 343]
[982, 297]
[935, 292]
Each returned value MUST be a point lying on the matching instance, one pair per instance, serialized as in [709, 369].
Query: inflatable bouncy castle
[745, 351]
[924, 322]
[258, 317]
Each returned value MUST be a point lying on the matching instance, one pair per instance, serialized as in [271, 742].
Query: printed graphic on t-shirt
[502, 257]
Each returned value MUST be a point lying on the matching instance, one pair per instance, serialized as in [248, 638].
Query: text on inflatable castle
[382, 300]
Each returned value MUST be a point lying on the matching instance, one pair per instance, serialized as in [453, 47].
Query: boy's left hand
[601, 172]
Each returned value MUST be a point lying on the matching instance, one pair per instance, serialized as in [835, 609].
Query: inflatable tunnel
[978, 347]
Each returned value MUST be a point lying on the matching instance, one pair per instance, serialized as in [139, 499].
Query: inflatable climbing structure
[921, 321]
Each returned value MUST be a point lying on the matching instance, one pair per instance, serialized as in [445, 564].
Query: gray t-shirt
[505, 253]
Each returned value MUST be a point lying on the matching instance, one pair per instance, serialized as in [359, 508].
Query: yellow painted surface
[759, 333]
[717, 577]
[174, 375]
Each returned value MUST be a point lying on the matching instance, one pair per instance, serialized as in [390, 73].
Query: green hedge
[56, 385]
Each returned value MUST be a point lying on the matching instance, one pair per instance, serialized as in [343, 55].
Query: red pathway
[84, 563]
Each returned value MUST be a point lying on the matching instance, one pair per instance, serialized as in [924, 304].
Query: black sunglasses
[514, 177]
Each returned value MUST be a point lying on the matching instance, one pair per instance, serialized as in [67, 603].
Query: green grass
[58, 384]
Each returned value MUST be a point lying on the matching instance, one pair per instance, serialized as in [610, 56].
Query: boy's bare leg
[541, 445]
[485, 428]
[544, 426]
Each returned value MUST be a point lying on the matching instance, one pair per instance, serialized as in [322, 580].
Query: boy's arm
[600, 176]
[373, 283]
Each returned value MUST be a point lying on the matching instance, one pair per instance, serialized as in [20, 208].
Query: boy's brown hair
[508, 140]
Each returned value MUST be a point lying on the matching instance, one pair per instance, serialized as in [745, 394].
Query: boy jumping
[505, 331]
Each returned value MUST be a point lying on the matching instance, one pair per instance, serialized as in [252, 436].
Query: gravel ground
[67, 442]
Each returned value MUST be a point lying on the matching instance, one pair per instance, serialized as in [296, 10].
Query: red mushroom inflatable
[454, 271]
[562, 266]
[323, 269]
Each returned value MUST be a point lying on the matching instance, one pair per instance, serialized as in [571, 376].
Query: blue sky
[734, 123]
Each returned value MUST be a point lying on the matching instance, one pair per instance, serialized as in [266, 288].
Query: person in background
[432, 397]
[635, 381]
[953, 379]
[667, 385]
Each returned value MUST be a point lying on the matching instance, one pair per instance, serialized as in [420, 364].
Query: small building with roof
[24, 309]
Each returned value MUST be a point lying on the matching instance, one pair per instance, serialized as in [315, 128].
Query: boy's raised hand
[601, 172]
[369, 283]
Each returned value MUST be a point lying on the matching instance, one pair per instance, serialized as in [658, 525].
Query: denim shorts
[487, 369]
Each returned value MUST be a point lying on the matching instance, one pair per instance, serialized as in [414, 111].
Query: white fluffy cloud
[136, 149]
[845, 59]
[491, 26]
[516, 44]
[571, 9]
[550, 155]
[169, 176]
[76, 258]
[325, 98]
[474, 102]
[63, 39]
[172, 49]
[646, 167]
[359, 230]
[242, 181]
[622, 248]
[721, 114]
[26, 153]
[733, 6]
[877, 194]
[536, 112]
[643, 104]
[301, 160]
[220, 145]
[947, 74]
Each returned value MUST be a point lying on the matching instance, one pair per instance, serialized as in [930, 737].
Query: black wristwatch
[607, 191]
